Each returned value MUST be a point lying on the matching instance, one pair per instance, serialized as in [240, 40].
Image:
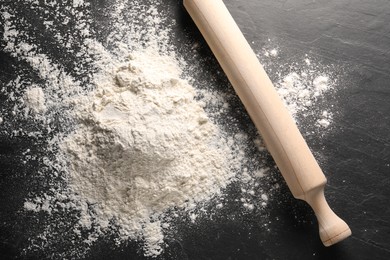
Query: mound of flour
[144, 145]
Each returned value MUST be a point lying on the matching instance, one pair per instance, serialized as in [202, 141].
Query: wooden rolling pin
[276, 126]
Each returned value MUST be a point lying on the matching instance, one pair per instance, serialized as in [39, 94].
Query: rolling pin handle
[331, 227]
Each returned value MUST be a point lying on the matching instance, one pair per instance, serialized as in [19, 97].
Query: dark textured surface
[354, 36]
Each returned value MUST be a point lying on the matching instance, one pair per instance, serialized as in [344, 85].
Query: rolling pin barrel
[266, 109]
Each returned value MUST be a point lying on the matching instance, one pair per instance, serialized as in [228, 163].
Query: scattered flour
[301, 85]
[34, 100]
[30, 206]
[131, 139]
[299, 93]
[325, 119]
[272, 53]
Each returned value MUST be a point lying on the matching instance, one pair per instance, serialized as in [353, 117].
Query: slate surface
[352, 35]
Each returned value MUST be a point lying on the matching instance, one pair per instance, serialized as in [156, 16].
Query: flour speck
[34, 100]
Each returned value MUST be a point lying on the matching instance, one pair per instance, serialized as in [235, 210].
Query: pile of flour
[144, 145]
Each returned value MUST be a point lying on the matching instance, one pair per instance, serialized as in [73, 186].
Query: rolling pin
[281, 136]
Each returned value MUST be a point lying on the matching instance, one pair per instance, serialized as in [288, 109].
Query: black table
[352, 36]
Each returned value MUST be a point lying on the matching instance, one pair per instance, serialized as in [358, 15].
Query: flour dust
[130, 141]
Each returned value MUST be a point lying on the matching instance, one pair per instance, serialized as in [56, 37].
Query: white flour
[299, 92]
[34, 99]
[134, 138]
[144, 145]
